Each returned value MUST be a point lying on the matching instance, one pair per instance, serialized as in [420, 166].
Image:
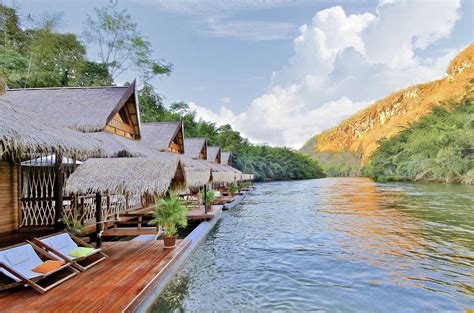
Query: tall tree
[122, 47]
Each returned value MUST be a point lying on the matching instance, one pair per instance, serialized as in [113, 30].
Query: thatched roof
[220, 173]
[248, 176]
[194, 146]
[212, 153]
[117, 146]
[238, 173]
[196, 172]
[158, 136]
[23, 133]
[124, 175]
[226, 158]
[82, 108]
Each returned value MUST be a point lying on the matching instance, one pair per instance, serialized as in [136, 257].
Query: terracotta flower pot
[169, 241]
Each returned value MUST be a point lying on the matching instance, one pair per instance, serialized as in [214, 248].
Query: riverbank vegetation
[35, 53]
[439, 148]
[266, 163]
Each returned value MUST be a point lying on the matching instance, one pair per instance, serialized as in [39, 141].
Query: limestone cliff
[386, 117]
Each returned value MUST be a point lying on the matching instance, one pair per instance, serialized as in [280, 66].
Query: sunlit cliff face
[386, 117]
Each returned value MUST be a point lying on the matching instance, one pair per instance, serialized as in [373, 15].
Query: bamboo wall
[8, 196]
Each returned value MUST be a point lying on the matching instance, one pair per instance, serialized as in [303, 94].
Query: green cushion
[80, 252]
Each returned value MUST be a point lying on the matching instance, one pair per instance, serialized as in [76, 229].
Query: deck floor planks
[113, 285]
[199, 213]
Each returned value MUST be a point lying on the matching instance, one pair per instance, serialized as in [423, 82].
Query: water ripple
[335, 245]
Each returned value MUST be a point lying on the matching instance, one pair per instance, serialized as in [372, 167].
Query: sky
[282, 71]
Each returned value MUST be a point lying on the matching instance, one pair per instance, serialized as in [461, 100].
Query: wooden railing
[41, 211]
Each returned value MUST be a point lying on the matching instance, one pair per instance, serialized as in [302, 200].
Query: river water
[335, 244]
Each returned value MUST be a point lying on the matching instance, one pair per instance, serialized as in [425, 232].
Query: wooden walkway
[117, 284]
[199, 213]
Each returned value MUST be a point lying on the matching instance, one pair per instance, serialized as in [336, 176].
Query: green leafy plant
[74, 222]
[233, 188]
[170, 214]
[211, 195]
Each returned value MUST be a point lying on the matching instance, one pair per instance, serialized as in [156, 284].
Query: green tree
[122, 47]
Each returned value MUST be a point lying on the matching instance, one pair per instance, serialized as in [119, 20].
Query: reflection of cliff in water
[397, 227]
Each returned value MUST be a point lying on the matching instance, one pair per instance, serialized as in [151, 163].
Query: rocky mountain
[359, 135]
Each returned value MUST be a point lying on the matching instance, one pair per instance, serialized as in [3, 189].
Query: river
[335, 244]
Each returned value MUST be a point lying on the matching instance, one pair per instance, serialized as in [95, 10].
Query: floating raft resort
[83, 155]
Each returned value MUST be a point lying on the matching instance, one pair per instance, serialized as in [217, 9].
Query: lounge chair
[63, 243]
[17, 263]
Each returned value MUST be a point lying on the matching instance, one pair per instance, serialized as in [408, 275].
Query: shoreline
[196, 237]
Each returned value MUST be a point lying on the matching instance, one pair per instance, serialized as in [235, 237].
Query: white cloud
[249, 30]
[343, 62]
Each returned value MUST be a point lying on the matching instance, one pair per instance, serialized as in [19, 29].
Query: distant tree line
[267, 163]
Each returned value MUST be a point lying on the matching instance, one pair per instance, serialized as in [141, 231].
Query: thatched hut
[70, 122]
[127, 175]
[87, 109]
[164, 136]
[214, 154]
[226, 158]
[24, 135]
[195, 148]
[197, 173]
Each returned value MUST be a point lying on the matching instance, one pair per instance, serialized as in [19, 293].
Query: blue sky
[240, 62]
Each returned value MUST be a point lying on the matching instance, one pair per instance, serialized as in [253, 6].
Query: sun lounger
[17, 264]
[62, 244]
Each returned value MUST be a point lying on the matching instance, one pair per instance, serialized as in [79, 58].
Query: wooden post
[98, 219]
[205, 199]
[58, 190]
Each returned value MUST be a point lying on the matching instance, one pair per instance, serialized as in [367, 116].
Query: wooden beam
[98, 219]
[58, 191]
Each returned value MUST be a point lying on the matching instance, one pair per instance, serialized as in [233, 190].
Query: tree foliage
[121, 46]
[439, 147]
[266, 163]
[43, 57]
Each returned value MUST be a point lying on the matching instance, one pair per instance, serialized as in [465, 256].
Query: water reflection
[336, 244]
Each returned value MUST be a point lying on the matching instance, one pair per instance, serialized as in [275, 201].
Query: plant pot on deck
[169, 241]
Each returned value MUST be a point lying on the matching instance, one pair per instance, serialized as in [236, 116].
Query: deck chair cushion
[61, 243]
[22, 259]
[80, 252]
[48, 266]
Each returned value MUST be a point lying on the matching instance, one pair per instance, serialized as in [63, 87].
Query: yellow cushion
[48, 266]
[80, 252]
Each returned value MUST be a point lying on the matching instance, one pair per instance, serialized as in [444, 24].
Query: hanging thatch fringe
[24, 134]
[124, 175]
[197, 173]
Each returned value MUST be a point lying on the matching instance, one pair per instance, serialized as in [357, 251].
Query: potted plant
[170, 214]
[233, 189]
[73, 224]
[211, 196]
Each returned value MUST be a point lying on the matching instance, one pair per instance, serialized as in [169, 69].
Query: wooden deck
[199, 213]
[119, 283]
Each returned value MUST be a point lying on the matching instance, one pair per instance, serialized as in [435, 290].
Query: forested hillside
[40, 55]
[439, 147]
[356, 138]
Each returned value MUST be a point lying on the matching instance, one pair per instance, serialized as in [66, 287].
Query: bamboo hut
[214, 155]
[196, 148]
[75, 123]
[26, 135]
[165, 136]
[87, 109]
[226, 158]
[120, 186]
